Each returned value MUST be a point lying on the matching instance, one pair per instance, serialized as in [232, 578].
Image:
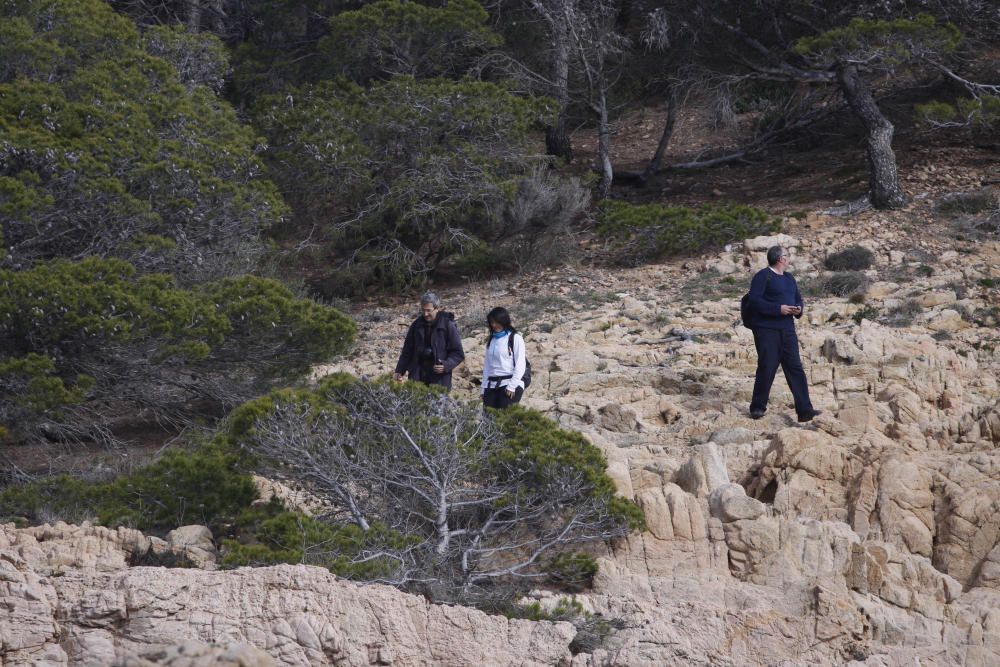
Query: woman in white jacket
[504, 365]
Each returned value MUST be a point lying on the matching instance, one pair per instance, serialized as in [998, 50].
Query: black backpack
[526, 378]
[746, 310]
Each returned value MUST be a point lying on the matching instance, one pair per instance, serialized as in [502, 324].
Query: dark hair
[501, 317]
[774, 254]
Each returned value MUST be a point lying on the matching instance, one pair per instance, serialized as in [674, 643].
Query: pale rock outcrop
[704, 472]
[906, 505]
[197, 654]
[730, 502]
[299, 615]
[196, 542]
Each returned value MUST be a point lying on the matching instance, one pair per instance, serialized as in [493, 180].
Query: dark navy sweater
[768, 294]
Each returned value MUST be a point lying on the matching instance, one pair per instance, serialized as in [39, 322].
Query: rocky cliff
[869, 536]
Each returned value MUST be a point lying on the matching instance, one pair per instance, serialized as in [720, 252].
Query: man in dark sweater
[775, 300]
[433, 346]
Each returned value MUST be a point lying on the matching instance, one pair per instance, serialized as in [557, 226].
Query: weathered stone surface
[298, 615]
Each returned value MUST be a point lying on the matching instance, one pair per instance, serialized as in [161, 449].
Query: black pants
[498, 398]
[779, 347]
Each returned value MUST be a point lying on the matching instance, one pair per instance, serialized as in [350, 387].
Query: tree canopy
[109, 150]
[484, 498]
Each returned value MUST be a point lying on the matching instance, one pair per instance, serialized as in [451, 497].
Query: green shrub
[78, 334]
[381, 453]
[867, 313]
[204, 486]
[572, 571]
[649, 231]
[105, 148]
[853, 258]
[271, 534]
[846, 283]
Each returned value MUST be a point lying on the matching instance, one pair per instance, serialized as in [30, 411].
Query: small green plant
[711, 285]
[853, 258]
[602, 366]
[592, 630]
[925, 270]
[988, 283]
[867, 313]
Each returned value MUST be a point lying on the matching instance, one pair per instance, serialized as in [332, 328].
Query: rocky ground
[869, 536]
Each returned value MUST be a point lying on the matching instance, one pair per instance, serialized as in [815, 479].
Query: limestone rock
[196, 654]
[730, 502]
[195, 542]
[704, 472]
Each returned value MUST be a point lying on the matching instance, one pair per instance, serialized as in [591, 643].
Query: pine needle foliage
[486, 500]
[85, 342]
[637, 233]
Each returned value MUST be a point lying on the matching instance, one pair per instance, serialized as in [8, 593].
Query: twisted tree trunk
[883, 180]
[668, 131]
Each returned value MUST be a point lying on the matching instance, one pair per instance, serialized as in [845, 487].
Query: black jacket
[446, 343]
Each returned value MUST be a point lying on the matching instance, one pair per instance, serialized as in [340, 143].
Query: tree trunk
[883, 189]
[668, 131]
[604, 142]
[194, 16]
[557, 136]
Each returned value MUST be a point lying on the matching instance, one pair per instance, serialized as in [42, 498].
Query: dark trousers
[498, 398]
[779, 347]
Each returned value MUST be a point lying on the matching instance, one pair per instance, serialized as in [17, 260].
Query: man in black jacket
[433, 346]
[776, 301]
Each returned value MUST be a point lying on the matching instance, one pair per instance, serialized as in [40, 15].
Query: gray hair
[431, 298]
[774, 254]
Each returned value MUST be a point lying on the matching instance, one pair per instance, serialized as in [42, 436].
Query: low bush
[853, 258]
[592, 630]
[967, 203]
[846, 283]
[271, 534]
[203, 486]
[904, 314]
[382, 454]
[643, 232]
[77, 335]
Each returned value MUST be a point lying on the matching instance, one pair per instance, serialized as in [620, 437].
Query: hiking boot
[757, 414]
[807, 416]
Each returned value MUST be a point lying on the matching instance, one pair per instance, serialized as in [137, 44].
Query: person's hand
[510, 393]
[439, 368]
[398, 377]
[789, 310]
